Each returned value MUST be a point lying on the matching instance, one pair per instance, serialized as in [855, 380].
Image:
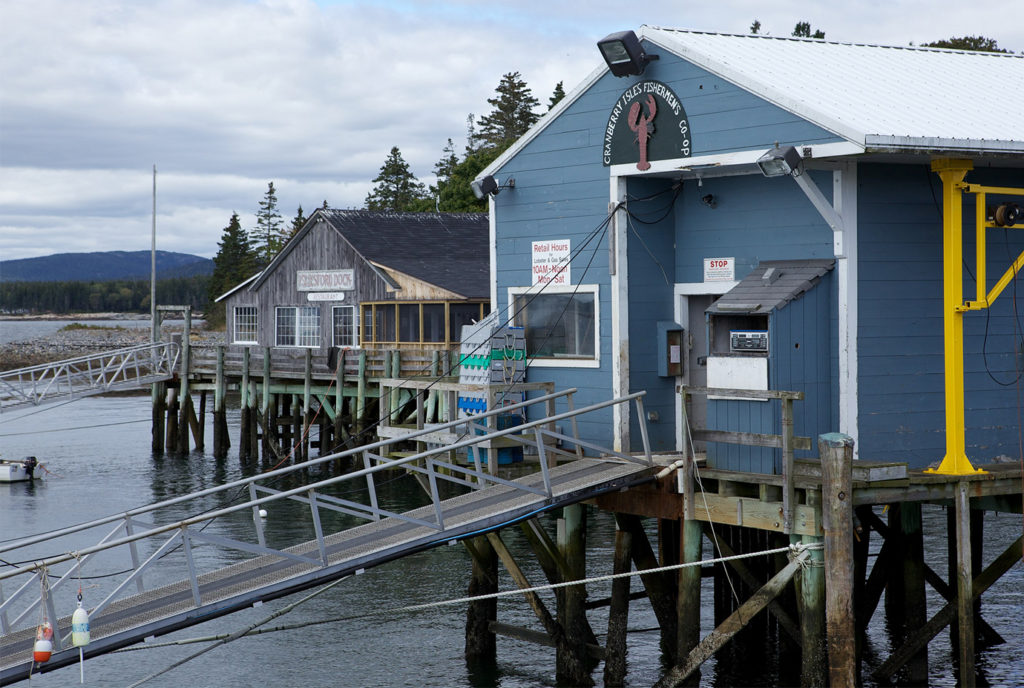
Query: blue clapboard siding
[651, 278]
[802, 358]
[755, 219]
[724, 117]
[562, 192]
[802, 336]
[901, 366]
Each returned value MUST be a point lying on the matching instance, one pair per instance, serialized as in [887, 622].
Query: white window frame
[354, 312]
[297, 314]
[593, 289]
[255, 324]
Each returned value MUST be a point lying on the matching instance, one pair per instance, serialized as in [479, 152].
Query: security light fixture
[488, 186]
[779, 162]
[624, 54]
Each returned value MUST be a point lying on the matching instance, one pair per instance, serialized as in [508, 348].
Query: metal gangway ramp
[110, 371]
[163, 583]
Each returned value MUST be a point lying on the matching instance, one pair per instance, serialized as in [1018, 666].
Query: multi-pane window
[418, 322]
[246, 331]
[297, 326]
[560, 325]
[344, 326]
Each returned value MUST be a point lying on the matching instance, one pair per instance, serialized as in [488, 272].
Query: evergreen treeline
[123, 296]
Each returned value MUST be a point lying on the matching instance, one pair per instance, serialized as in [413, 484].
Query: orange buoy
[43, 647]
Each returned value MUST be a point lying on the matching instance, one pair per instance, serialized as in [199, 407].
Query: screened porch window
[418, 322]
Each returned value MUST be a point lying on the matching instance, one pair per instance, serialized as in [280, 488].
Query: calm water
[24, 330]
[104, 466]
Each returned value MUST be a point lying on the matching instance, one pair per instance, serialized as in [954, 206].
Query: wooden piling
[159, 399]
[266, 402]
[361, 394]
[572, 534]
[836, 452]
[221, 441]
[811, 600]
[688, 596]
[481, 645]
[339, 403]
[307, 382]
[964, 581]
[171, 435]
[915, 610]
[618, 614]
[245, 420]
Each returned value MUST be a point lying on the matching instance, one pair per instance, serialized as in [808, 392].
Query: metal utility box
[773, 330]
[671, 352]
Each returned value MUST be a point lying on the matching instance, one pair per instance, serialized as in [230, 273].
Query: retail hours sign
[550, 264]
[646, 123]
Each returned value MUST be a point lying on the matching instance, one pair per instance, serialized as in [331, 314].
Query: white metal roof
[881, 98]
[878, 96]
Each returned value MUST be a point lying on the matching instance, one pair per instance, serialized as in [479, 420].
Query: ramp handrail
[128, 531]
[106, 371]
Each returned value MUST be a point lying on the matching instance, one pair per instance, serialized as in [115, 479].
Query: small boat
[28, 468]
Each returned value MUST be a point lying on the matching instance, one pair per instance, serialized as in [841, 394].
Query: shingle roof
[449, 250]
[773, 283]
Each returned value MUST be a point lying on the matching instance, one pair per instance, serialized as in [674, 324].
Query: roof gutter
[880, 143]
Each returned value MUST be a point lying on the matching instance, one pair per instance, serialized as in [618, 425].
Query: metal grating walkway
[129, 618]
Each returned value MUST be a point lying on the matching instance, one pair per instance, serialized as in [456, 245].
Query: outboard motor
[29, 464]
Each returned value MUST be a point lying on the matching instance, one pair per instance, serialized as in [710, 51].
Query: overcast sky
[224, 96]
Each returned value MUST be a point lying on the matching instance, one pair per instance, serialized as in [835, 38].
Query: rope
[240, 633]
[794, 551]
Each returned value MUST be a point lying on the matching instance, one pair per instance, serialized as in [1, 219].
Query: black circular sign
[647, 123]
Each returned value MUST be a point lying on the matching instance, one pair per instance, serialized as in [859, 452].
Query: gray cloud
[226, 95]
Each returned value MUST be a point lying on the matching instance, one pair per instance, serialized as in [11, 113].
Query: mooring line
[794, 550]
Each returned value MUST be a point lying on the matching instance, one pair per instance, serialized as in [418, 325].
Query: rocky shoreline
[74, 342]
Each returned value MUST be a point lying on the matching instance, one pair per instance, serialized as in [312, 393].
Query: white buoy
[80, 635]
[80, 627]
[263, 513]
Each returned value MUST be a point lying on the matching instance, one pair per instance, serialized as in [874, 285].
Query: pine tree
[980, 43]
[443, 169]
[511, 117]
[803, 30]
[396, 187]
[269, 235]
[556, 96]
[297, 222]
[234, 263]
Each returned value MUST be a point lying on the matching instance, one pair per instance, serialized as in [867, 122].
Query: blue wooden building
[642, 243]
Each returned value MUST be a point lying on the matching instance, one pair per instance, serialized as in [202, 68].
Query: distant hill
[103, 266]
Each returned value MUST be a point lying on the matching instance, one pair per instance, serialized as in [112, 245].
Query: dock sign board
[551, 262]
[325, 280]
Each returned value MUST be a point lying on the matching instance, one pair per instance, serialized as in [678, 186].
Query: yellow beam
[952, 173]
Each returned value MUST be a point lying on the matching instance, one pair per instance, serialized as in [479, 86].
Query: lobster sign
[642, 106]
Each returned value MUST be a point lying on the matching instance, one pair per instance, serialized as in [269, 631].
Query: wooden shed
[359, 278]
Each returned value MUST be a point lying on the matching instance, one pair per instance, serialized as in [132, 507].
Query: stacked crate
[495, 355]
